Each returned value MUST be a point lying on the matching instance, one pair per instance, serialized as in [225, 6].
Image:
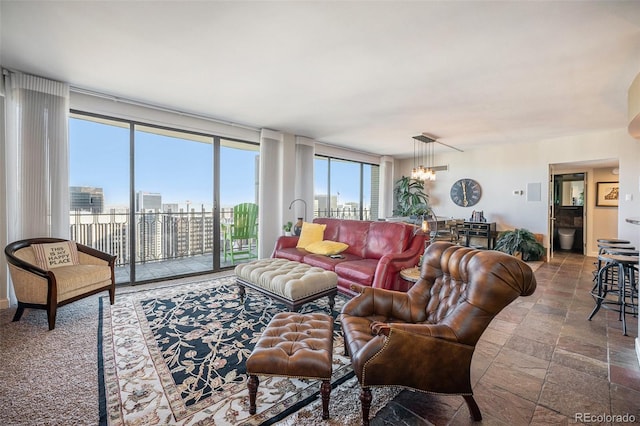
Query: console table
[483, 230]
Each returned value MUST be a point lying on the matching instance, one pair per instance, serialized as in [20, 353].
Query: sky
[180, 169]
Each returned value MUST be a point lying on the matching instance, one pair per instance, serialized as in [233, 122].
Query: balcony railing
[162, 235]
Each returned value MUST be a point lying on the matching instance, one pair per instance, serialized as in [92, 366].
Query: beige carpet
[50, 377]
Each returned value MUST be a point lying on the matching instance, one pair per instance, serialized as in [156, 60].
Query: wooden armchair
[57, 282]
[424, 339]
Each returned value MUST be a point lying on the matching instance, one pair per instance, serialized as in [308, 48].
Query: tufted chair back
[434, 327]
[457, 283]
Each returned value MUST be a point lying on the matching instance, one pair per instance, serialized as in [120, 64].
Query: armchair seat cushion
[78, 279]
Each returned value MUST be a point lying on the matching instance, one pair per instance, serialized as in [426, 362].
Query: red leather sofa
[377, 252]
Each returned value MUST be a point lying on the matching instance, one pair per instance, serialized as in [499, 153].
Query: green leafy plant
[411, 200]
[520, 241]
[287, 227]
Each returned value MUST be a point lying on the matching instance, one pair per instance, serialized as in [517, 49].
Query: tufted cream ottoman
[294, 345]
[291, 283]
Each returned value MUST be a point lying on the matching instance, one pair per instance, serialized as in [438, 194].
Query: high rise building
[86, 199]
[148, 201]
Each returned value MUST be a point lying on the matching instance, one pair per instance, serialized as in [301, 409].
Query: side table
[410, 274]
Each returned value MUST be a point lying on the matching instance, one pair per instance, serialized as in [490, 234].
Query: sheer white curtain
[304, 187]
[36, 157]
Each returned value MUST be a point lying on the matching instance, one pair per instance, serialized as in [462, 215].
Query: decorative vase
[297, 228]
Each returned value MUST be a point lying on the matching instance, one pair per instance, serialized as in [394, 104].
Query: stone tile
[435, 409]
[625, 401]
[580, 346]
[514, 363]
[593, 367]
[530, 347]
[629, 378]
[592, 387]
[544, 416]
[394, 414]
[566, 401]
[503, 405]
[495, 337]
[501, 325]
[542, 335]
[624, 358]
[515, 382]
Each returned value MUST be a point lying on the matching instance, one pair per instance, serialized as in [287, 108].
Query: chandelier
[423, 155]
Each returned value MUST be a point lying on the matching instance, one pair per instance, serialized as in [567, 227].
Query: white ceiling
[360, 74]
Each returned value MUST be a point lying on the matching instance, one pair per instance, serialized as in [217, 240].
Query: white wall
[502, 169]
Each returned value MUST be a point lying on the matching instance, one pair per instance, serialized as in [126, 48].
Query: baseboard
[4, 303]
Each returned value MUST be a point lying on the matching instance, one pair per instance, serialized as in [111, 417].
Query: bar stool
[612, 241]
[609, 245]
[622, 287]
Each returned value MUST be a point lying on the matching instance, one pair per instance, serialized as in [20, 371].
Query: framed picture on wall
[607, 194]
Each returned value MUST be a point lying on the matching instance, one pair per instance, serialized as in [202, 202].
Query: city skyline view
[180, 169]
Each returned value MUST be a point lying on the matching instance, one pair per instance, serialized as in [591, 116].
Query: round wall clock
[466, 192]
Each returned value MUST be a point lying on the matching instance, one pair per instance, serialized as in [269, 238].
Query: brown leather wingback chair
[424, 339]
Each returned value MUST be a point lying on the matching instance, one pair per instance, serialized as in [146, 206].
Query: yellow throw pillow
[53, 255]
[327, 247]
[311, 233]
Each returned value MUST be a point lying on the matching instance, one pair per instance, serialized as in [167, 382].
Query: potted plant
[287, 228]
[411, 200]
[520, 241]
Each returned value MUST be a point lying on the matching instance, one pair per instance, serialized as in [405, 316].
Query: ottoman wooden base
[294, 345]
[290, 283]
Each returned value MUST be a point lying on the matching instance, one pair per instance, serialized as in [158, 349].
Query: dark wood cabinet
[473, 232]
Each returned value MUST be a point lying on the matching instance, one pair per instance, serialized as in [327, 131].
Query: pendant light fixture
[423, 158]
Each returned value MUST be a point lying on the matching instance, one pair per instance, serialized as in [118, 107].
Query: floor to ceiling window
[173, 175]
[238, 196]
[99, 163]
[148, 195]
[345, 189]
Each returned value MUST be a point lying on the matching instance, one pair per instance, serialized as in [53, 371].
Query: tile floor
[542, 362]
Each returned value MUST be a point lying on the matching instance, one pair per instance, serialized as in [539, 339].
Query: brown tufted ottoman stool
[294, 345]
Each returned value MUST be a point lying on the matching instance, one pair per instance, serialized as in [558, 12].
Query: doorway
[568, 212]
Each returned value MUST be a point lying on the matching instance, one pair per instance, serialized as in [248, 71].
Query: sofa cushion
[385, 238]
[326, 247]
[327, 262]
[311, 233]
[291, 253]
[354, 233]
[331, 232]
[359, 271]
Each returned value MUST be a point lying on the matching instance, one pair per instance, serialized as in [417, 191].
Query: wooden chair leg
[473, 407]
[365, 401]
[51, 316]
[325, 391]
[19, 312]
[253, 384]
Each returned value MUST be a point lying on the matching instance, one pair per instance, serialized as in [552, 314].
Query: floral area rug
[176, 355]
